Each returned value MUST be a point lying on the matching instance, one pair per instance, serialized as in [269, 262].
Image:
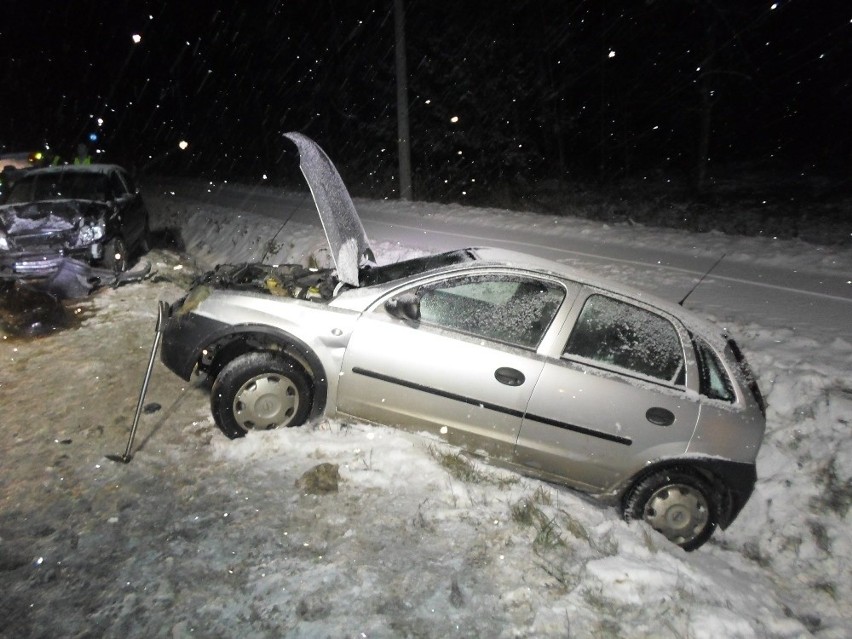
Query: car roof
[515, 259]
[490, 257]
[77, 168]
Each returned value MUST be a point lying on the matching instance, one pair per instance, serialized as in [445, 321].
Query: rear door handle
[660, 416]
[509, 376]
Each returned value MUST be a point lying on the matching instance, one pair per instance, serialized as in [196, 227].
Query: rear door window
[613, 333]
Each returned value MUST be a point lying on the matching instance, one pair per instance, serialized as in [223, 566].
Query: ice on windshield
[507, 309]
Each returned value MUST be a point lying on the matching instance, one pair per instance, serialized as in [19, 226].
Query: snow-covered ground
[202, 536]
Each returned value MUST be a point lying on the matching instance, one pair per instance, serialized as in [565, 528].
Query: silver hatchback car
[537, 367]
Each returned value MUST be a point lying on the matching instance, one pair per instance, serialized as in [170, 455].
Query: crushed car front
[36, 237]
[238, 308]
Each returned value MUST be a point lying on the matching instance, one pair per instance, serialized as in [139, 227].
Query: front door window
[503, 308]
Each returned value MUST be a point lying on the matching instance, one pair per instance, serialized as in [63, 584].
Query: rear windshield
[399, 270]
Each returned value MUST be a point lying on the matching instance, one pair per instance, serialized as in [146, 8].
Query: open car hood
[347, 240]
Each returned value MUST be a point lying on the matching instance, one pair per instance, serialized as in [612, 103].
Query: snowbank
[203, 536]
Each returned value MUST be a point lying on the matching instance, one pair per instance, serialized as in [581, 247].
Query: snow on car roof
[488, 257]
[515, 259]
[77, 168]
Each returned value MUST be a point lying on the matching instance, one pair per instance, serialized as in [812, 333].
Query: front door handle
[660, 416]
[509, 376]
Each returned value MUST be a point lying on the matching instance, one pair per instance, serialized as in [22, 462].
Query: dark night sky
[541, 89]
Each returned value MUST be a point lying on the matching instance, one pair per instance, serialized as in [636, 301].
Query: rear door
[466, 370]
[614, 400]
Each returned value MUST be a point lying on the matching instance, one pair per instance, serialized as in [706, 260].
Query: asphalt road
[806, 300]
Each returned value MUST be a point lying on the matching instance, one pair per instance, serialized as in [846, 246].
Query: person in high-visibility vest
[83, 156]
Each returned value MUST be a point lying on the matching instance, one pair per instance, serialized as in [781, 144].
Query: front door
[131, 211]
[465, 371]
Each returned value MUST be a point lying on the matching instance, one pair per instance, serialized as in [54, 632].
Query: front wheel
[259, 391]
[677, 502]
[115, 255]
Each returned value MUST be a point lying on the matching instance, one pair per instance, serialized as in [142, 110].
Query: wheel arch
[222, 348]
[733, 482]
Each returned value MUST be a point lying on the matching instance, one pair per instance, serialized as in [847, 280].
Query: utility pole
[404, 142]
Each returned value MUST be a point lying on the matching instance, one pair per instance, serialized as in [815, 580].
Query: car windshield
[399, 270]
[62, 185]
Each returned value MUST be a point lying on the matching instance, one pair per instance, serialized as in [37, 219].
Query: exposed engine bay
[282, 280]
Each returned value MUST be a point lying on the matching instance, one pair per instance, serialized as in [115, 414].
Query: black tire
[679, 503]
[115, 255]
[145, 240]
[259, 391]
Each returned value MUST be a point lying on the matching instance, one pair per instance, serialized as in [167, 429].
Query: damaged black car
[85, 218]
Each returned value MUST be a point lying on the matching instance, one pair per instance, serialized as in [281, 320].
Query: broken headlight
[89, 234]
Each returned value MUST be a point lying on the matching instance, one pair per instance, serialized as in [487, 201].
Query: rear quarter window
[714, 381]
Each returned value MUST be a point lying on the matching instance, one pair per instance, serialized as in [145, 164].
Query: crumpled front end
[73, 279]
[36, 239]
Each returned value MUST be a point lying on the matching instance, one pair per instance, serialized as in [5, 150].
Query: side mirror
[404, 307]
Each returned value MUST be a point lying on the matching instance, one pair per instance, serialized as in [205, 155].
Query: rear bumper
[740, 480]
[734, 483]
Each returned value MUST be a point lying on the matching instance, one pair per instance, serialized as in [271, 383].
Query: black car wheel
[115, 255]
[145, 240]
[676, 502]
[259, 391]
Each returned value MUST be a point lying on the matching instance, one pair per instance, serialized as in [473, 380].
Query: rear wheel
[677, 502]
[259, 391]
[115, 255]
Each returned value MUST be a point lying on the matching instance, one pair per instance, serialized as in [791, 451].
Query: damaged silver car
[86, 220]
[550, 371]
